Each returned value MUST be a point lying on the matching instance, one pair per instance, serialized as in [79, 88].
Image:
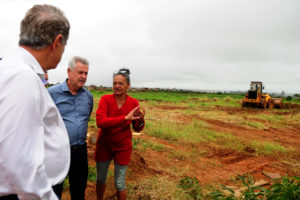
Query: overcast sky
[183, 44]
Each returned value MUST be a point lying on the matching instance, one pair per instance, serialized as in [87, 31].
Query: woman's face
[120, 85]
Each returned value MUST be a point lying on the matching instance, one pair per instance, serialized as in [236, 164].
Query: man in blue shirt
[75, 105]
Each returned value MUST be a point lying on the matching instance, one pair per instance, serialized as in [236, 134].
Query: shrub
[287, 189]
[191, 187]
[289, 98]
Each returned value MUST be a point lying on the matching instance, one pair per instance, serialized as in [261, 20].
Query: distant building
[91, 87]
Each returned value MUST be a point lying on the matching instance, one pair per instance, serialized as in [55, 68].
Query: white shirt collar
[31, 61]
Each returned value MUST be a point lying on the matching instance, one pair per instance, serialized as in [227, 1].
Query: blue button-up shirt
[74, 109]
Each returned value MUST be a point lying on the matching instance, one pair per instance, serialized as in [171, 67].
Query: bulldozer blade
[277, 102]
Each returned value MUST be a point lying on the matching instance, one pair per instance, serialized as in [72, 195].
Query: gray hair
[75, 59]
[41, 25]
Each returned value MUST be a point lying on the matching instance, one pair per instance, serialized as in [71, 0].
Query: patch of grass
[229, 141]
[191, 186]
[157, 147]
[253, 125]
[197, 131]
[229, 101]
[163, 130]
[193, 105]
[199, 124]
[142, 145]
[293, 163]
[220, 116]
[267, 148]
[155, 188]
[189, 112]
[92, 121]
[66, 184]
[271, 117]
[181, 155]
[92, 175]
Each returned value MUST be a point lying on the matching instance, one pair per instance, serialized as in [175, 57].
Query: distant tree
[296, 95]
[289, 98]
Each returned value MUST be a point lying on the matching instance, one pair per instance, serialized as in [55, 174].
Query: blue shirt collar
[65, 87]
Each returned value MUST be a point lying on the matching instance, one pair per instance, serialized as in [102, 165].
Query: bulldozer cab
[256, 86]
[255, 89]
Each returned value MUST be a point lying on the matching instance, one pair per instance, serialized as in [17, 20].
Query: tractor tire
[270, 104]
[244, 104]
[263, 103]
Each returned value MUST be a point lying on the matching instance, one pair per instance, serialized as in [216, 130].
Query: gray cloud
[210, 44]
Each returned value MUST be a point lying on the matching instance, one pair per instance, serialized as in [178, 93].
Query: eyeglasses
[124, 72]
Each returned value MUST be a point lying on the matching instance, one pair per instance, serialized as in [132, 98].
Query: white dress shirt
[34, 144]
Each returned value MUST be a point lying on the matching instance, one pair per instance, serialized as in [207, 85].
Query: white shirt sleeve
[22, 149]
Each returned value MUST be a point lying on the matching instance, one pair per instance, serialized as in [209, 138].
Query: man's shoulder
[16, 67]
[18, 76]
[55, 88]
[56, 91]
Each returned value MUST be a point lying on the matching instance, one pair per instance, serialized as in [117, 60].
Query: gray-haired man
[75, 105]
[34, 145]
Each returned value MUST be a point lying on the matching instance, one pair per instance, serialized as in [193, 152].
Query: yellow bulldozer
[256, 98]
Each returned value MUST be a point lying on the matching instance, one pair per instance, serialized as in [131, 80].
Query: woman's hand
[131, 115]
[135, 114]
[140, 114]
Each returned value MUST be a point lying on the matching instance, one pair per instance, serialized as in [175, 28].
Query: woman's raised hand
[139, 113]
[132, 116]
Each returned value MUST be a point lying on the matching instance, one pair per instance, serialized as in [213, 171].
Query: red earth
[214, 164]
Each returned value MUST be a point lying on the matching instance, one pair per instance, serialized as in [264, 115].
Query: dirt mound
[140, 168]
[290, 106]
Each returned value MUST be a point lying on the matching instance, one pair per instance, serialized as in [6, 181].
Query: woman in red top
[114, 115]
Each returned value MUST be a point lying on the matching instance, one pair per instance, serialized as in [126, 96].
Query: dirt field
[211, 164]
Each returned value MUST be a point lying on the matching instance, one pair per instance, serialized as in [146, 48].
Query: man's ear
[57, 41]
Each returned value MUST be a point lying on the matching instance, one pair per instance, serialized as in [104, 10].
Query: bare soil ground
[213, 165]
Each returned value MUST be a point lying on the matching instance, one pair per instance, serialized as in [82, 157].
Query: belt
[9, 197]
[79, 148]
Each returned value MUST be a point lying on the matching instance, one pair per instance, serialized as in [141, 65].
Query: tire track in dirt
[217, 165]
[289, 137]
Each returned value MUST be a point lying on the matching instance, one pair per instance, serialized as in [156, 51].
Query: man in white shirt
[34, 144]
